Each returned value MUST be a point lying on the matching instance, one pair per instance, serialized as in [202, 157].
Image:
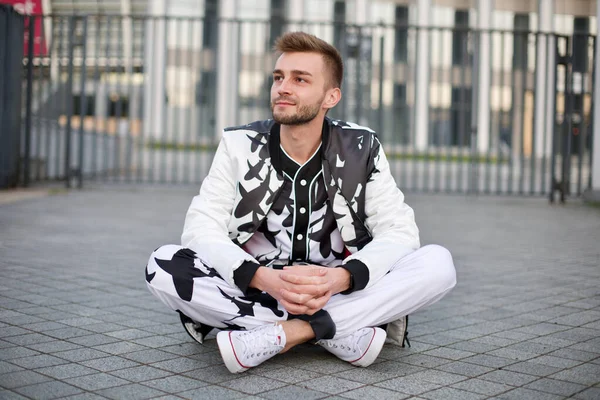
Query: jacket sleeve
[205, 229]
[390, 221]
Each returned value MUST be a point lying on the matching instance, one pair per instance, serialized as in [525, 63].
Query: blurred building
[188, 68]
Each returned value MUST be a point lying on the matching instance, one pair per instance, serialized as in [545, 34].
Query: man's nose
[284, 87]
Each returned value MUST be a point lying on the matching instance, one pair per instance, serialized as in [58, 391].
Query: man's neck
[301, 141]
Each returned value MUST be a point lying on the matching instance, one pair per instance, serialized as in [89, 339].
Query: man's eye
[300, 80]
[277, 78]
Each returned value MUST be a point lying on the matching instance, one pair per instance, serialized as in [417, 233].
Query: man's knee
[440, 261]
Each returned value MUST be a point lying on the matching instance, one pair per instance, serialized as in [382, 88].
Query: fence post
[12, 27]
[28, 100]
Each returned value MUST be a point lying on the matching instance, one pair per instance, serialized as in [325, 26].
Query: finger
[293, 308]
[307, 269]
[297, 298]
[296, 279]
[318, 303]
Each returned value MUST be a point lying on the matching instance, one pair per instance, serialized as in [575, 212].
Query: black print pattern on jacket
[300, 227]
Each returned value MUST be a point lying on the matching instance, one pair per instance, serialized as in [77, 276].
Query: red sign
[31, 7]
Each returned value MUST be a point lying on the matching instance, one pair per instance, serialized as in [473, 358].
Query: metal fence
[136, 99]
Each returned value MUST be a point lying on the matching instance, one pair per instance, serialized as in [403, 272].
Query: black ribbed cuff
[359, 275]
[244, 274]
[320, 322]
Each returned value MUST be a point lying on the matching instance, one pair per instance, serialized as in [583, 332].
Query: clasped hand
[303, 289]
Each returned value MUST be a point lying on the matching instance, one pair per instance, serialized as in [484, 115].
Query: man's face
[298, 89]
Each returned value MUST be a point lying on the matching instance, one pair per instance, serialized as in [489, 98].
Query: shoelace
[256, 345]
[348, 343]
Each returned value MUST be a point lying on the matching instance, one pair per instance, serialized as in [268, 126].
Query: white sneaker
[397, 332]
[360, 348]
[242, 350]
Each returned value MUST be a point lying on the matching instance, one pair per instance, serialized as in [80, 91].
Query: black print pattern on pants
[245, 305]
[183, 270]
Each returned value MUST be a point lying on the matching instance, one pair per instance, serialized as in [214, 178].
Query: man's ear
[332, 97]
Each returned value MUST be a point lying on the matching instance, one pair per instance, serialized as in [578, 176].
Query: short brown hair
[304, 43]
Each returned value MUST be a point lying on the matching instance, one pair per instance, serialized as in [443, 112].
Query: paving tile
[392, 368]
[140, 373]
[373, 393]
[330, 384]
[213, 375]
[463, 368]
[85, 396]
[53, 346]
[448, 393]
[488, 360]
[408, 386]
[212, 393]
[180, 364]
[589, 394]
[9, 353]
[528, 367]
[508, 377]
[577, 375]
[158, 341]
[81, 354]
[66, 371]
[149, 356]
[423, 360]
[28, 339]
[67, 333]
[175, 384]
[48, 390]
[553, 386]
[557, 362]
[132, 391]
[293, 375]
[523, 393]
[96, 381]
[452, 354]
[93, 340]
[438, 377]
[482, 387]
[16, 379]
[111, 363]
[39, 361]
[10, 395]
[253, 384]
[119, 348]
[6, 367]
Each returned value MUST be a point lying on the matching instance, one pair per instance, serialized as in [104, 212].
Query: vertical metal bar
[153, 150]
[198, 106]
[116, 70]
[426, 153]
[472, 184]
[488, 157]
[501, 116]
[582, 133]
[106, 70]
[462, 107]
[69, 101]
[533, 155]
[49, 94]
[190, 58]
[441, 166]
[545, 118]
[178, 134]
[523, 98]
[555, 129]
[566, 172]
[165, 107]
[41, 100]
[359, 89]
[127, 73]
[447, 148]
[144, 97]
[593, 122]
[413, 157]
[94, 133]
[62, 90]
[381, 124]
[82, 100]
[28, 100]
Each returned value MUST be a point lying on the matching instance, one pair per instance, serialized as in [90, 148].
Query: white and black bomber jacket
[376, 225]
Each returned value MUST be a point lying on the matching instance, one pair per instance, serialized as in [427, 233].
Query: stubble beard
[304, 115]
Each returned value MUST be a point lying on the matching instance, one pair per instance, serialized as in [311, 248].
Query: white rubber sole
[228, 353]
[374, 349]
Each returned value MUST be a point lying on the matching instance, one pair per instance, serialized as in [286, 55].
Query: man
[299, 232]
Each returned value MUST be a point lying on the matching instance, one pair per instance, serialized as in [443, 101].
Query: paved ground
[76, 319]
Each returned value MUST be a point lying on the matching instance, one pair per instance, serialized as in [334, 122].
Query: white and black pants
[185, 284]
